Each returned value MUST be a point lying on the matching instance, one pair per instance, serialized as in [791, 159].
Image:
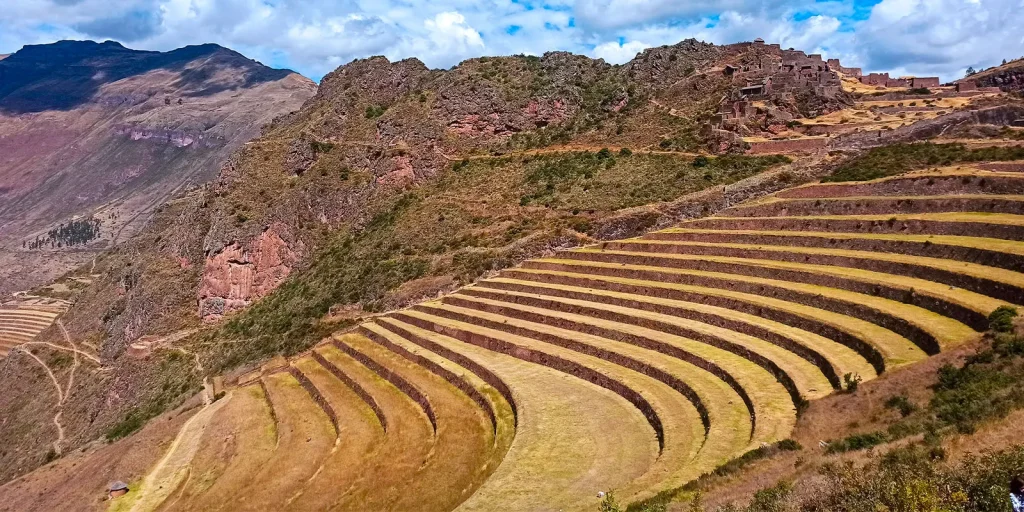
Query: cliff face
[98, 130]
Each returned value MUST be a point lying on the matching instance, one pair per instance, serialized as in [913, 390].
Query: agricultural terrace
[21, 320]
[634, 365]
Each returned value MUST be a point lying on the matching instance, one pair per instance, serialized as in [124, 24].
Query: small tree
[971, 71]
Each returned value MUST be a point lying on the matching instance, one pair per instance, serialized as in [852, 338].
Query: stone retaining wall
[811, 324]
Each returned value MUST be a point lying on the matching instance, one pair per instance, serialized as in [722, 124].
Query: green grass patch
[899, 158]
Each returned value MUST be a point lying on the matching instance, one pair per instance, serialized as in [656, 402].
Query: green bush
[915, 479]
[852, 381]
[321, 147]
[857, 442]
[375, 111]
[902, 404]
[1001, 320]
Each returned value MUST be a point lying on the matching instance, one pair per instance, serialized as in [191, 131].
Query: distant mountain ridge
[97, 130]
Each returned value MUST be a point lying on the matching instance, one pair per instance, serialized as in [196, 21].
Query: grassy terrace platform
[633, 365]
[21, 323]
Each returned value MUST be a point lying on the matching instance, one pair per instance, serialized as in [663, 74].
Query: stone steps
[991, 252]
[704, 345]
[920, 326]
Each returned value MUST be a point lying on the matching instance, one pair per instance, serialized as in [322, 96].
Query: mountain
[96, 135]
[396, 183]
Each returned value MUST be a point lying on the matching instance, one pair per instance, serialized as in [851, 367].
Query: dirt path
[60, 400]
[175, 466]
[80, 352]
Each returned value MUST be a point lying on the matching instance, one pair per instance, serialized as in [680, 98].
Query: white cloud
[314, 36]
[617, 53]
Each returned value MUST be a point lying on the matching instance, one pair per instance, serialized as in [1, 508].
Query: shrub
[912, 478]
[1001, 320]
[375, 111]
[605, 153]
[902, 404]
[700, 161]
[857, 442]
[625, 152]
[320, 147]
[852, 381]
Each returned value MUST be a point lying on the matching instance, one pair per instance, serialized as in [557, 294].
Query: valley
[539, 283]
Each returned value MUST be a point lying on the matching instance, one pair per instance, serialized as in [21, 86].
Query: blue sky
[922, 37]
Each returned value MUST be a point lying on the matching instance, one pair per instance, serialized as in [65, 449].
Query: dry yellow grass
[678, 417]
[968, 299]
[359, 437]
[464, 452]
[990, 244]
[504, 417]
[305, 437]
[808, 378]
[976, 217]
[896, 349]
[574, 438]
[406, 448]
[842, 358]
[239, 442]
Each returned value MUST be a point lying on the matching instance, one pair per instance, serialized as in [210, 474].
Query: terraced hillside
[22, 320]
[635, 365]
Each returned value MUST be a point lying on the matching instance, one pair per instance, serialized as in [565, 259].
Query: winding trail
[60, 400]
[63, 393]
[176, 464]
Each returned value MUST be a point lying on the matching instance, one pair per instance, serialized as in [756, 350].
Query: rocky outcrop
[176, 138]
[242, 273]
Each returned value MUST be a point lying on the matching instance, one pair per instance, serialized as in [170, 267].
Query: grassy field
[899, 158]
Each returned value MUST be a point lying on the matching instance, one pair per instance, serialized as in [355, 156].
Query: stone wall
[788, 146]
[919, 82]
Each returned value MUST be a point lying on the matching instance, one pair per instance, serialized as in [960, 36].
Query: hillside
[444, 260]
[95, 136]
[1009, 77]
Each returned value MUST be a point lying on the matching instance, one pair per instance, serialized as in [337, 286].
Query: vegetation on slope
[987, 387]
[909, 478]
[478, 215]
[915, 474]
[899, 158]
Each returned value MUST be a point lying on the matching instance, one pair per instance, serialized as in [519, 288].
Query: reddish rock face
[401, 174]
[238, 274]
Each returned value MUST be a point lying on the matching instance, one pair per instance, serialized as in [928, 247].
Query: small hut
[117, 489]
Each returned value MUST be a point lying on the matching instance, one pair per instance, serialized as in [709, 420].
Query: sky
[904, 37]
